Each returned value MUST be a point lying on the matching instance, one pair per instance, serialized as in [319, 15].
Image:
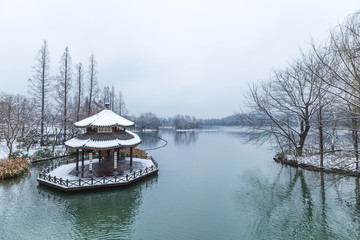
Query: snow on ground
[186, 130]
[150, 130]
[4, 151]
[330, 161]
[63, 171]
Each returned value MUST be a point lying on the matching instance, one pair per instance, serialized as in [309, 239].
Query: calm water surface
[210, 186]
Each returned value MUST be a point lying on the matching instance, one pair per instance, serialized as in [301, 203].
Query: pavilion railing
[105, 180]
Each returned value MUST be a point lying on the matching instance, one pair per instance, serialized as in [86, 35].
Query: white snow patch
[63, 171]
[330, 161]
[105, 118]
[185, 130]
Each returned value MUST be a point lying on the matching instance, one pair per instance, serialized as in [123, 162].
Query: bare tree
[63, 87]
[106, 94]
[92, 81]
[283, 108]
[79, 75]
[341, 60]
[148, 121]
[121, 105]
[112, 98]
[40, 84]
[316, 72]
[18, 119]
[184, 122]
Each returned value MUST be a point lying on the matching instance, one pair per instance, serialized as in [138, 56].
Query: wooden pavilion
[106, 133]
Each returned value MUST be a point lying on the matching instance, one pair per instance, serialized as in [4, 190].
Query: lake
[211, 185]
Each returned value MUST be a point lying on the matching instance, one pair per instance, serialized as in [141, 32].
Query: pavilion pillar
[118, 153]
[82, 159]
[131, 157]
[115, 160]
[90, 162]
[77, 160]
[99, 155]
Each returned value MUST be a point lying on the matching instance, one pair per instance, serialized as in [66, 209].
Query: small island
[107, 138]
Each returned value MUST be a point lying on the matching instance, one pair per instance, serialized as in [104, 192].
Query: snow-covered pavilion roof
[104, 141]
[105, 118]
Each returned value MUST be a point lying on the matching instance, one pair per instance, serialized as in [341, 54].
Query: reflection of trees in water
[34, 170]
[185, 138]
[7, 183]
[149, 139]
[289, 207]
[104, 214]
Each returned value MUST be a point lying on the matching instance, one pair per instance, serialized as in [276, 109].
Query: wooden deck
[100, 178]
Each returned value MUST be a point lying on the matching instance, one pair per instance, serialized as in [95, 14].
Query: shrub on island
[13, 168]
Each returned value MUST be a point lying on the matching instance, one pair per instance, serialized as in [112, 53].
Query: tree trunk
[42, 104]
[355, 140]
[303, 135]
[321, 137]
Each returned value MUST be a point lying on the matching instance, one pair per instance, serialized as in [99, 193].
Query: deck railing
[105, 180]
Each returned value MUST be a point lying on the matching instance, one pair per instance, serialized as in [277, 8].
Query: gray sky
[192, 57]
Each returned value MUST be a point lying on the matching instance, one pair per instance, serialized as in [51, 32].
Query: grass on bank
[13, 168]
[136, 151]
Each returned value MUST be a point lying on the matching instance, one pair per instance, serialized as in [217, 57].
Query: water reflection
[7, 183]
[185, 138]
[149, 139]
[103, 214]
[299, 204]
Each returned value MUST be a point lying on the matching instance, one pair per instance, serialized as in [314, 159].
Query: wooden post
[118, 152]
[99, 155]
[131, 155]
[77, 160]
[82, 160]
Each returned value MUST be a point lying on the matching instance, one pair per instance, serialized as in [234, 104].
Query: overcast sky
[192, 57]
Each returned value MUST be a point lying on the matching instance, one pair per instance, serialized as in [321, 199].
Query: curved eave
[76, 143]
[104, 148]
[104, 126]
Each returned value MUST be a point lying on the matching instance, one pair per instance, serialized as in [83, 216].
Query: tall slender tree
[121, 105]
[63, 87]
[112, 98]
[79, 88]
[40, 84]
[92, 81]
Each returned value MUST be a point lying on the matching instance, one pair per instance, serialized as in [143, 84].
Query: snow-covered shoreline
[332, 164]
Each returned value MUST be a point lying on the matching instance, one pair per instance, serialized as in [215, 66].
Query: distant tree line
[151, 121]
[303, 107]
[226, 121]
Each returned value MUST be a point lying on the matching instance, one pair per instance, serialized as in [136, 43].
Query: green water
[210, 186]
